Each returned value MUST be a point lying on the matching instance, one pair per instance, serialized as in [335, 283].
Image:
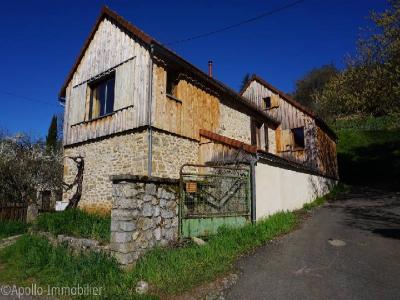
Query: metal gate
[212, 196]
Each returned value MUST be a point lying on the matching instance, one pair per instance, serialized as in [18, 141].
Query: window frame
[92, 86]
[264, 103]
[302, 145]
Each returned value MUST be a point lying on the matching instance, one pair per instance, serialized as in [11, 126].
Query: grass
[76, 223]
[33, 259]
[339, 188]
[169, 271]
[178, 270]
[370, 157]
[10, 228]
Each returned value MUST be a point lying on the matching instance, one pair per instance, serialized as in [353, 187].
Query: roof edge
[105, 12]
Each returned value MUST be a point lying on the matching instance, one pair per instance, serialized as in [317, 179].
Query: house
[132, 106]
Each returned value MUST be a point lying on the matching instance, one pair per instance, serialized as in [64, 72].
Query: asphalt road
[314, 263]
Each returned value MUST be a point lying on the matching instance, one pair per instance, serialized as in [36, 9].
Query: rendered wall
[280, 189]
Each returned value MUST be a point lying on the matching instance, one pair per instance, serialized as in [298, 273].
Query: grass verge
[10, 228]
[339, 188]
[169, 271]
[76, 223]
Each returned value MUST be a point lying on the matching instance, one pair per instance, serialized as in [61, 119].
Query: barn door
[212, 196]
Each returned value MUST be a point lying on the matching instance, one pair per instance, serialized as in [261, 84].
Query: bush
[10, 228]
[75, 222]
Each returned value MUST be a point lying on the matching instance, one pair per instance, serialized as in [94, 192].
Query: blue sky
[41, 39]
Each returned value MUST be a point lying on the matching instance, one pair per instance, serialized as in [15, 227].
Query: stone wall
[144, 214]
[120, 154]
[170, 152]
[234, 124]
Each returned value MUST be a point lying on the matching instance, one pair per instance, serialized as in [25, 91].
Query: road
[348, 249]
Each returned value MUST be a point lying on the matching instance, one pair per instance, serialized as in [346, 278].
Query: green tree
[246, 78]
[52, 135]
[370, 83]
[313, 82]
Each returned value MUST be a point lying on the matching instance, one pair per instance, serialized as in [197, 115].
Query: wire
[263, 15]
[28, 98]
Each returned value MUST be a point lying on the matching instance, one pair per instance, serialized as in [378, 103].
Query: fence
[13, 211]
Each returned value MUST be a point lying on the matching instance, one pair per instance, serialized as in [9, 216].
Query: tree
[313, 82]
[370, 83]
[245, 79]
[52, 135]
[26, 166]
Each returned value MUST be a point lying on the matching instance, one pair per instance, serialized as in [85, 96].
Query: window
[172, 80]
[102, 96]
[259, 135]
[298, 137]
[266, 102]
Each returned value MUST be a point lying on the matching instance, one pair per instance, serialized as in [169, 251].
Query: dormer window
[102, 96]
[267, 103]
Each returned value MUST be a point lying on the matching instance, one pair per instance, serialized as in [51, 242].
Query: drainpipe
[150, 131]
[253, 163]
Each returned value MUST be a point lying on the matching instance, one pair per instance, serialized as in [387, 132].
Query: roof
[292, 101]
[160, 48]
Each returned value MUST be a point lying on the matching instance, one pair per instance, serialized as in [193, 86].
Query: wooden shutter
[124, 85]
[77, 104]
[286, 140]
[274, 100]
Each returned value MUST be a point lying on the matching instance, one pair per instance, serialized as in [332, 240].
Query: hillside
[369, 151]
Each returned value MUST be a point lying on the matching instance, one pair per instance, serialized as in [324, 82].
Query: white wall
[280, 189]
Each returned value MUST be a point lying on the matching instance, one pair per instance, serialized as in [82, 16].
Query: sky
[41, 40]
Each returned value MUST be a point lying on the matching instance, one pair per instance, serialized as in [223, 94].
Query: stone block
[148, 198]
[147, 210]
[125, 258]
[157, 233]
[127, 226]
[145, 223]
[121, 237]
[123, 247]
[150, 189]
[124, 215]
[167, 214]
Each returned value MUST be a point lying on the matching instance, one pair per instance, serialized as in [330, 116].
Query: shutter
[124, 85]
[77, 104]
[287, 140]
[274, 100]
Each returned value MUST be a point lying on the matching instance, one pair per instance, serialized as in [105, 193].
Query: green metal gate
[212, 196]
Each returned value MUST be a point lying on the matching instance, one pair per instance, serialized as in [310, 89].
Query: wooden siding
[327, 160]
[287, 114]
[191, 110]
[319, 151]
[110, 49]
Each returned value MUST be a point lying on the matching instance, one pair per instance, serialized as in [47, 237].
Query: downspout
[253, 163]
[150, 131]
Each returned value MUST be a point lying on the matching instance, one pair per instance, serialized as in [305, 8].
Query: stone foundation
[144, 214]
[170, 152]
[120, 154]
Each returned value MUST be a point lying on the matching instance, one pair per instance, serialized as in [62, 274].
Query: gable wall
[110, 47]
